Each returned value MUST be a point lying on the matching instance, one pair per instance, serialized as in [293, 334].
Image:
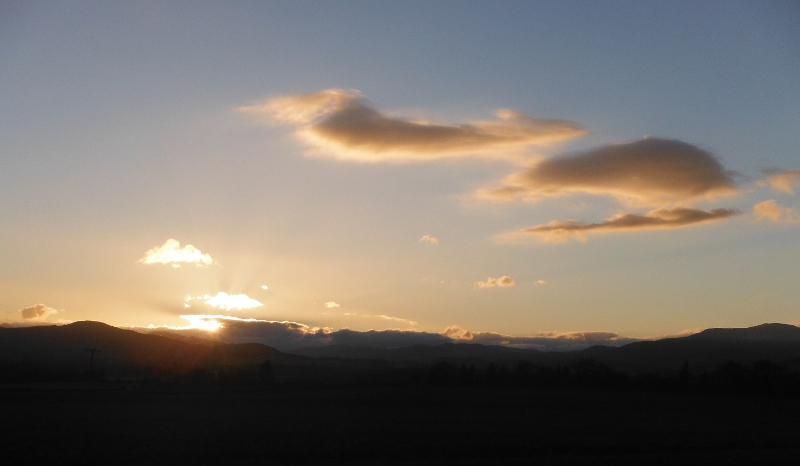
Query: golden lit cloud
[771, 210]
[37, 312]
[543, 341]
[340, 124]
[540, 282]
[172, 253]
[490, 282]
[648, 172]
[429, 239]
[783, 180]
[559, 231]
[225, 301]
[331, 305]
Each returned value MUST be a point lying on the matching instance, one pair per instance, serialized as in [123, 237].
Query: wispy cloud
[490, 282]
[771, 210]
[560, 231]
[172, 253]
[540, 282]
[331, 304]
[783, 180]
[429, 239]
[225, 301]
[396, 319]
[647, 172]
[37, 312]
[342, 125]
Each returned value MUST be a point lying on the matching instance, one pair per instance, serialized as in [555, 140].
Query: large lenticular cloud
[340, 124]
[651, 172]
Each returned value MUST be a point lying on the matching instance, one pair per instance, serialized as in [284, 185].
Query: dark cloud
[559, 231]
[650, 171]
[341, 123]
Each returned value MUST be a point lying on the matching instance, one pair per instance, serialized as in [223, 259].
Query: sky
[512, 169]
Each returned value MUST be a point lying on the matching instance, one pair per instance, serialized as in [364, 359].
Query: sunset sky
[519, 168]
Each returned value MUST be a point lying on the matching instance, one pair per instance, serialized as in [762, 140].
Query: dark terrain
[724, 396]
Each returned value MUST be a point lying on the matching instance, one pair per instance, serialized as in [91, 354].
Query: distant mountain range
[129, 353]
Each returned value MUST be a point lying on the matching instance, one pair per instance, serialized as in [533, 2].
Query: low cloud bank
[288, 336]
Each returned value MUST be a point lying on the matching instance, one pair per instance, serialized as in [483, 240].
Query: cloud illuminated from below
[172, 253]
[340, 124]
[225, 301]
[37, 312]
[647, 172]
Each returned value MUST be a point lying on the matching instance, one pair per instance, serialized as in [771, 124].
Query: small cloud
[490, 282]
[429, 239]
[783, 180]
[540, 282]
[37, 312]
[771, 210]
[560, 231]
[647, 172]
[172, 253]
[342, 125]
[264, 287]
[331, 305]
[396, 319]
[225, 301]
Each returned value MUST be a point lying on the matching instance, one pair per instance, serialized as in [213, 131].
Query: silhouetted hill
[123, 351]
[705, 350]
[424, 354]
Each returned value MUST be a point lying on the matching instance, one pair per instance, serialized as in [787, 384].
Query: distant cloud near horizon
[560, 231]
[332, 305]
[37, 312]
[172, 253]
[547, 341]
[490, 282]
[771, 210]
[340, 124]
[647, 172]
[429, 239]
[288, 336]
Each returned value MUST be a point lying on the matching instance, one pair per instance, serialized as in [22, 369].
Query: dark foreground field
[418, 425]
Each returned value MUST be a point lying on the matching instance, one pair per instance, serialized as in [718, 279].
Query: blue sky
[122, 127]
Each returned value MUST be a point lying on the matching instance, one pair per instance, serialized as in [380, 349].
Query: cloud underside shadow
[340, 124]
[559, 231]
[648, 172]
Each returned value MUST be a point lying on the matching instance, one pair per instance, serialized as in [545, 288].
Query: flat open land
[416, 424]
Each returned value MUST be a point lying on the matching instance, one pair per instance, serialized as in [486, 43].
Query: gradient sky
[310, 147]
